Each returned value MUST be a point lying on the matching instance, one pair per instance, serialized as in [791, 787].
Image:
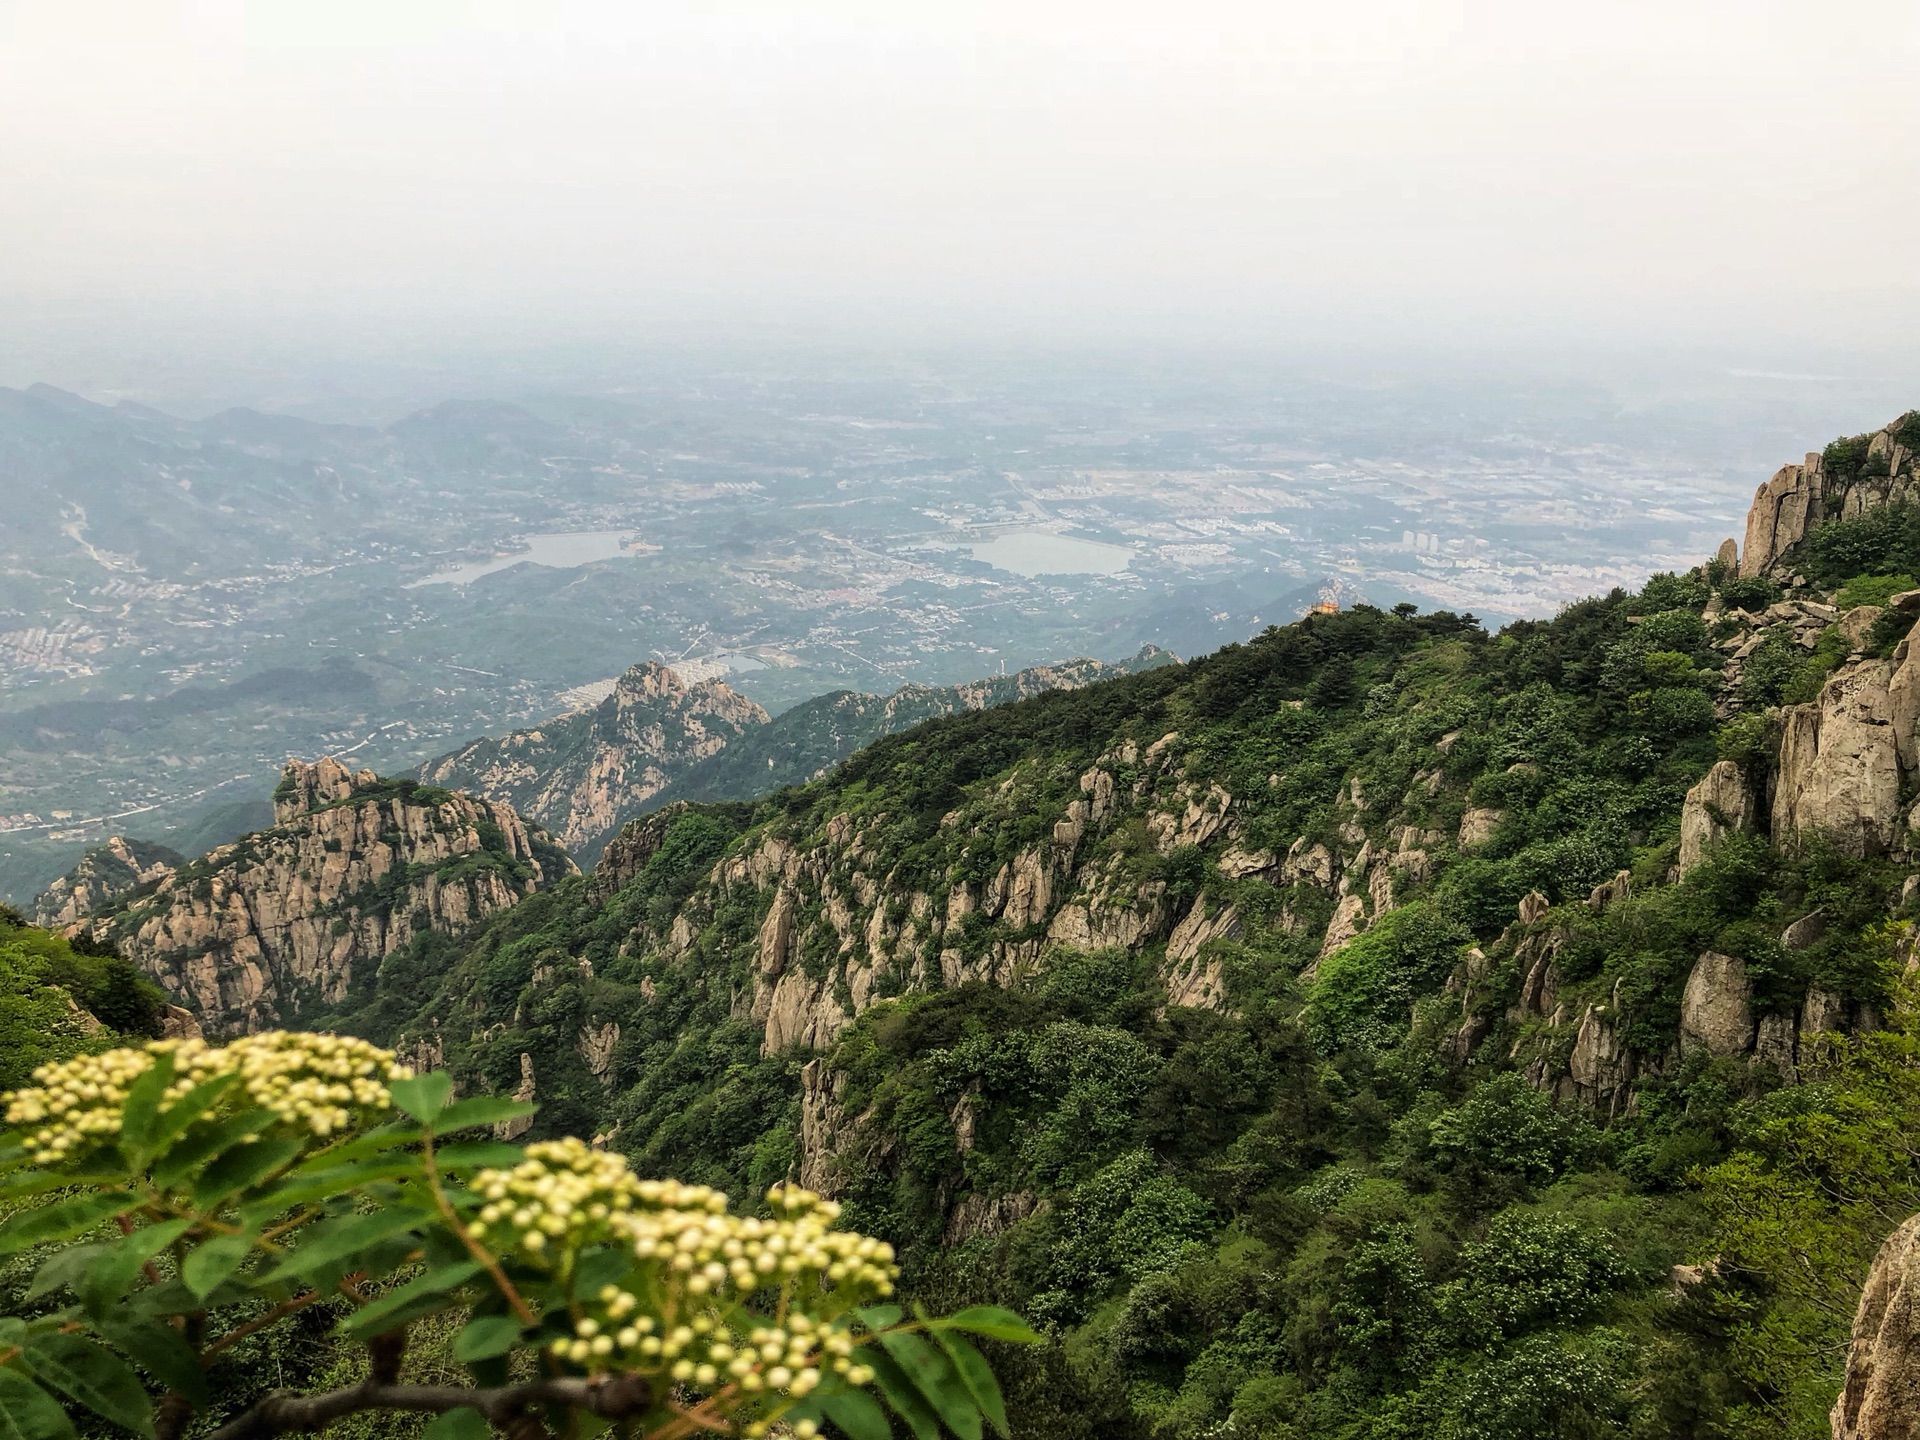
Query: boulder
[1880, 1392]
[1839, 769]
[1721, 804]
[1783, 510]
[1533, 907]
[1477, 826]
[1612, 892]
[1716, 1009]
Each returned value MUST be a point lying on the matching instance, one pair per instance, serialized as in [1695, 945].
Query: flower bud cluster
[320, 1083]
[700, 1261]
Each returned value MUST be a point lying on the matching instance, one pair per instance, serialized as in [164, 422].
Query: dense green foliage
[1301, 1215]
[57, 1001]
[162, 1207]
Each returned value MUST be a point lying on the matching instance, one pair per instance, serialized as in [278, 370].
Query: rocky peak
[1850, 478]
[305, 788]
[258, 933]
[104, 873]
[584, 775]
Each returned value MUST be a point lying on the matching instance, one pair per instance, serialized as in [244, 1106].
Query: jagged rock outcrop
[585, 775]
[255, 933]
[1839, 767]
[1716, 1008]
[1850, 479]
[1880, 1393]
[104, 874]
[1721, 804]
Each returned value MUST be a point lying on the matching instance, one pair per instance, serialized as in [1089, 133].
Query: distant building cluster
[41, 651]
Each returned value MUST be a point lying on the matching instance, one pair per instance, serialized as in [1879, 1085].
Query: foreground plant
[198, 1195]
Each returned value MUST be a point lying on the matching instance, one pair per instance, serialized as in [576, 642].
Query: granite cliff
[584, 775]
[256, 934]
[104, 874]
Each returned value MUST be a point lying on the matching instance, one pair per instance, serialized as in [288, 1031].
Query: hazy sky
[1670, 168]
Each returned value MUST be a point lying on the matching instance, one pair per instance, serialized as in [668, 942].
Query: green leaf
[156, 1347]
[466, 1423]
[481, 1110]
[333, 1241]
[141, 1109]
[63, 1219]
[96, 1377]
[424, 1096]
[198, 1149]
[904, 1396]
[992, 1322]
[934, 1374]
[213, 1262]
[296, 1189]
[172, 1122]
[243, 1167]
[472, 1154]
[486, 1337]
[430, 1292]
[977, 1376]
[879, 1317]
[114, 1269]
[63, 1268]
[38, 1182]
[28, 1413]
[858, 1415]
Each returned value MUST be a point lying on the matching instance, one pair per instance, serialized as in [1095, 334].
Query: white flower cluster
[321, 1083]
[564, 1196]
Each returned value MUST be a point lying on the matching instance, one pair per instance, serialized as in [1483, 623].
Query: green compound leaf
[63, 1219]
[28, 1413]
[423, 1097]
[481, 1110]
[487, 1337]
[115, 1268]
[173, 1121]
[156, 1347]
[95, 1377]
[992, 1322]
[244, 1167]
[903, 1396]
[858, 1415]
[199, 1148]
[211, 1263]
[934, 1374]
[419, 1297]
[977, 1376]
[879, 1317]
[140, 1114]
[334, 1242]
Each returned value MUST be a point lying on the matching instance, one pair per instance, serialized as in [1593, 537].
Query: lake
[565, 551]
[1036, 552]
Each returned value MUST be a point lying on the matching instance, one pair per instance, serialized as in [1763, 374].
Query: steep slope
[585, 775]
[104, 873]
[811, 738]
[1377, 1028]
[254, 934]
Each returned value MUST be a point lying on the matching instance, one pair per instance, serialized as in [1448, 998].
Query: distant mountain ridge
[805, 742]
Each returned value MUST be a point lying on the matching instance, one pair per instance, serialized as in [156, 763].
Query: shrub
[1872, 590]
[231, 1188]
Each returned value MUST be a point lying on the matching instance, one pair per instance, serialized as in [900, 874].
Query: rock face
[104, 874]
[1721, 804]
[1880, 1396]
[1865, 473]
[256, 932]
[1839, 768]
[585, 775]
[1716, 1009]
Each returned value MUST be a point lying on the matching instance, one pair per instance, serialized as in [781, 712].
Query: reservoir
[1036, 552]
[565, 551]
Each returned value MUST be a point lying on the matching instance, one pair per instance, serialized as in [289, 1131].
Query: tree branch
[612, 1397]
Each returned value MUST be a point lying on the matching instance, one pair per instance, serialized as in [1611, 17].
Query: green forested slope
[1357, 1032]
